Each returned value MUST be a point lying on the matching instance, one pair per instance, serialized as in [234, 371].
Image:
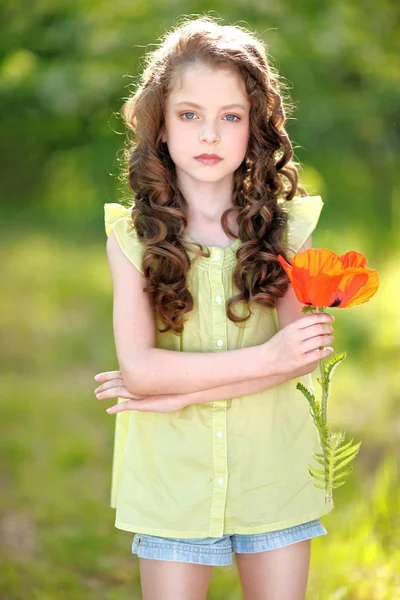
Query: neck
[206, 201]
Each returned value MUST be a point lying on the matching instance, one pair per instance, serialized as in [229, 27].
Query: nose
[209, 133]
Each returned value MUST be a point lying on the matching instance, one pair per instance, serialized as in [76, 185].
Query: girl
[213, 440]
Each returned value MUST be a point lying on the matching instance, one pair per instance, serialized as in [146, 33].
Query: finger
[107, 375]
[117, 392]
[118, 382]
[121, 406]
[317, 354]
[316, 330]
[316, 343]
[315, 318]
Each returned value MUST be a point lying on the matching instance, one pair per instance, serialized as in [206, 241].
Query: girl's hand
[300, 345]
[114, 387]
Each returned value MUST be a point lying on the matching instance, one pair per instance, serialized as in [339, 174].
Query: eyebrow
[187, 103]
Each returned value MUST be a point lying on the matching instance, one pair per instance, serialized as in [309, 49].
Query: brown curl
[268, 172]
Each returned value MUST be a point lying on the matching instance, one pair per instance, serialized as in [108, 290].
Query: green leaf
[320, 461]
[326, 442]
[318, 471]
[347, 451]
[335, 458]
[315, 408]
[344, 447]
[308, 309]
[320, 487]
[347, 460]
[342, 475]
[332, 363]
[317, 477]
[334, 486]
[307, 393]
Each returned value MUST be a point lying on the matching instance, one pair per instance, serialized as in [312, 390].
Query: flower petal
[351, 282]
[299, 280]
[285, 265]
[365, 291]
[316, 260]
[320, 277]
[353, 259]
[322, 290]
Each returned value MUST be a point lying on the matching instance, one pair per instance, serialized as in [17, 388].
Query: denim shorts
[218, 551]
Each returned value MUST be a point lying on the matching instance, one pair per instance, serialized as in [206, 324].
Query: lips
[209, 156]
[208, 159]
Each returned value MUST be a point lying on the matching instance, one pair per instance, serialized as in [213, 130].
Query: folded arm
[288, 309]
[148, 370]
[242, 388]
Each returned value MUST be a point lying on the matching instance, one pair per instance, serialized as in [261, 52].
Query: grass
[57, 535]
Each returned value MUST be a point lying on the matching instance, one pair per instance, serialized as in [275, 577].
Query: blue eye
[190, 116]
[187, 113]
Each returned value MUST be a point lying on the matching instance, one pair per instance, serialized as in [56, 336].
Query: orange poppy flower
[322, 278]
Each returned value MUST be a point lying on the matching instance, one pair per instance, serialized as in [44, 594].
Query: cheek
[240, 131]
[238, 140]
[179, 138]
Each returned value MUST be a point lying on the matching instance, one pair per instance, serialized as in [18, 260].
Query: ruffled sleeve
[303, 215]
[117, 218]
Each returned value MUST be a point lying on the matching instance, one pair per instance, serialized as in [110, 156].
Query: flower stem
[324, 383]
[324, 412]
[325, 393]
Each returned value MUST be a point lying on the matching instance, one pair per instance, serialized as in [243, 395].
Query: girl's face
[207, 112]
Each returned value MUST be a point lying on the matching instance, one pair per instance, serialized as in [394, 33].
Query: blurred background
[65, 68]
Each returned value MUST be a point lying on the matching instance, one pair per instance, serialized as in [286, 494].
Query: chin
[207, 173]
[211, 177]
[212, 172]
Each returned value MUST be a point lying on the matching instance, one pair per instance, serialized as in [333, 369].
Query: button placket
[220, 470]
[219, 407]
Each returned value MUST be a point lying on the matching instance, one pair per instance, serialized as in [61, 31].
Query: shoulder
[303, 215]
[117, 218]
[302, 207]
[117, 213]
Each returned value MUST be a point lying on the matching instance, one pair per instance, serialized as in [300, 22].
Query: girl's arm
[288, 309]
[114, 387]
[242, 388]
[148, 370]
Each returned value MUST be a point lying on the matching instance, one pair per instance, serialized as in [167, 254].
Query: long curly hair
[267, 173]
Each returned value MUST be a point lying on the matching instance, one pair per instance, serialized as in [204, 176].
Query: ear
[163, 135]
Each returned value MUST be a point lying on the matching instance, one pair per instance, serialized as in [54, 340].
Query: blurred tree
[66, 67]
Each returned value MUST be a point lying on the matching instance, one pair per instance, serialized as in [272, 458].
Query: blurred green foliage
[65, 69]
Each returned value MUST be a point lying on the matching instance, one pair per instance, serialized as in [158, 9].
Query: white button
[220, 481]
[217, 256]
[219, 433]
[220, 343]
[218, 299]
